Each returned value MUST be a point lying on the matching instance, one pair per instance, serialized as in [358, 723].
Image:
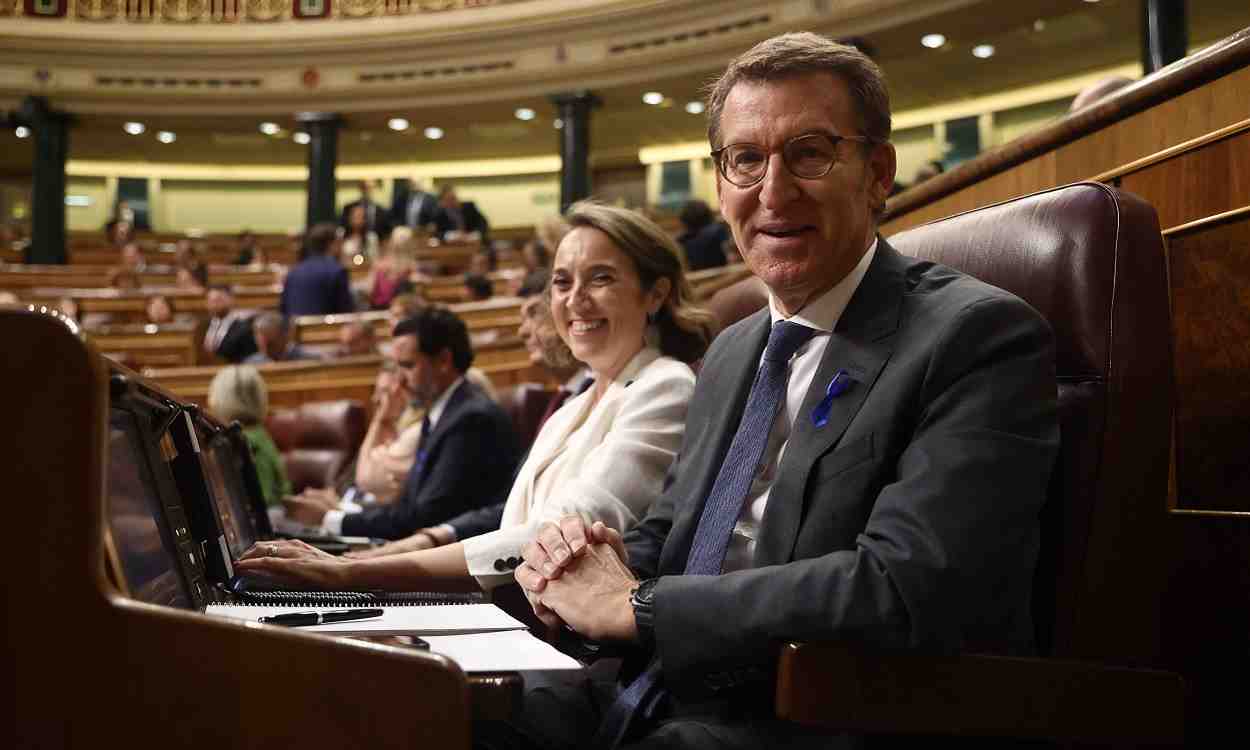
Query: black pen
[295, 619]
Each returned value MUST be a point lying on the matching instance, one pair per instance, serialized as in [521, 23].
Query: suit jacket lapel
[706, 449]
[861, 344]
[446, 421]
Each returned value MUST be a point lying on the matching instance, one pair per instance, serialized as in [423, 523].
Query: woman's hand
[290, 561]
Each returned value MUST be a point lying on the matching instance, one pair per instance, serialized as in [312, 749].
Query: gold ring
[273, 550]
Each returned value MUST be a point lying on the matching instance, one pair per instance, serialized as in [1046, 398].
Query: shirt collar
[440, 403]
[574, 384]
[822, 313]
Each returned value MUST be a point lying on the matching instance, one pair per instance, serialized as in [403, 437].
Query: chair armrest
[857, 689]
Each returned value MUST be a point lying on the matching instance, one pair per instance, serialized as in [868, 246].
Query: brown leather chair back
[318, 440]
[1090, 259]
[525, 403]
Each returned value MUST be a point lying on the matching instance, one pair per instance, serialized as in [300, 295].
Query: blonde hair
[402, 245]
[685, 329]
[239, 392]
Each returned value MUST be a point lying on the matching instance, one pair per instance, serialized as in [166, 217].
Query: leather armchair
[318, 441]
[525, 403]
[1089, 258]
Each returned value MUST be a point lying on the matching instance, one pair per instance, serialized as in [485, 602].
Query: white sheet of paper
[503, 651]
[395, 620]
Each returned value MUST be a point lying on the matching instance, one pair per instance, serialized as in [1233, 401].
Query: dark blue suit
[317, 285]
[466, 462]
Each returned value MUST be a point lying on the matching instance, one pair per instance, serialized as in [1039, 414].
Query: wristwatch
[642, 599]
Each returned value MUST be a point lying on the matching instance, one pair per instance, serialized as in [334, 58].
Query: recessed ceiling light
[134, 128]
[166, 136]
[433, 133]
[1039, 24]
[21, 131]
[933, 41]
[525, 113]
[983, 51]
[1091, 1]
[269, 128]
[653, 97]
[557, 123]
[301, 138]
[397, 123]
[694, 108]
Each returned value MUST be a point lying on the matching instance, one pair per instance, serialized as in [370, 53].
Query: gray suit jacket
[909, 520]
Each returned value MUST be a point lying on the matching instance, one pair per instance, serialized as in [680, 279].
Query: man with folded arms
[864, 460]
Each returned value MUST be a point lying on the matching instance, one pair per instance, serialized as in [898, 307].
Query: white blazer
[605, 463]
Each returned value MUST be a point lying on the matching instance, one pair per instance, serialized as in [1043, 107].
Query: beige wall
[1010, 124]
[222, 206]
[92, 217]
[913, 147]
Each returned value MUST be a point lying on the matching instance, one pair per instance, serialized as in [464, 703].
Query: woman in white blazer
[620, 301]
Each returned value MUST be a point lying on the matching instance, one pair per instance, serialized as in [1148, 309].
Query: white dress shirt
[821, 313]
[332, 522]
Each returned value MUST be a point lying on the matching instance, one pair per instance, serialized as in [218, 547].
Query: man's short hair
[436, 329]
[479, 286]
[801, 53]
[319, 238]
[272, 322]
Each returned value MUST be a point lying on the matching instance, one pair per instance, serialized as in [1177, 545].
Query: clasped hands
[577, 575]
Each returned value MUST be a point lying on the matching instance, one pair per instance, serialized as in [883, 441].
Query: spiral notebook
[429, 619]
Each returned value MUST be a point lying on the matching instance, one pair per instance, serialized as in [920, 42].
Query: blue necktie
[720, 512]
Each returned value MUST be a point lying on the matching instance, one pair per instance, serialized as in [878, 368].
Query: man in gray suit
[864, 460]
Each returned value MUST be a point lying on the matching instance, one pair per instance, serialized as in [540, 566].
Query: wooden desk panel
[96, 668]
[172, 345]
[1209, 273]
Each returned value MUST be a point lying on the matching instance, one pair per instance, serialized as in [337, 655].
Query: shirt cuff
[450, 530]
[332, 524]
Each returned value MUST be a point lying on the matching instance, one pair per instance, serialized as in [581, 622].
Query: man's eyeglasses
[808, 156]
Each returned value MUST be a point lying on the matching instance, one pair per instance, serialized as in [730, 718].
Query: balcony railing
[228, 11]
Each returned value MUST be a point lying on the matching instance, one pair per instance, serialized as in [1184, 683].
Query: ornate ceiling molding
[361, 57]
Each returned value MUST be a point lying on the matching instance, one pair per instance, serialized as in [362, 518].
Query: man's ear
[882, 165]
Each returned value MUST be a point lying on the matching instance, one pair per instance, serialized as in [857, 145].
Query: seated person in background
[704, 237]
[547, 350]
[1098, 91]
[272, 332]
[118, 232]
[865, 461]
[358, 239]
[397, 263]
[386, 454]
[8, 298]
[468, 449]
[355, 339]
[229, 332]
[404, 306]
[374, 218]
[604, 454]
[478, 287]
[160, 309]
[458, 221]
[123, 277]
[245, 248]
[317, 285]
[132, 257]
[239, 392]
[188, 258]
[483, 261]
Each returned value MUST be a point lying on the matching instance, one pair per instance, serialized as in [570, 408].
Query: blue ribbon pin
[842, 380]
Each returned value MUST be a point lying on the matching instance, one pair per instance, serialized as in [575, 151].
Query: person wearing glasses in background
[864, 460]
